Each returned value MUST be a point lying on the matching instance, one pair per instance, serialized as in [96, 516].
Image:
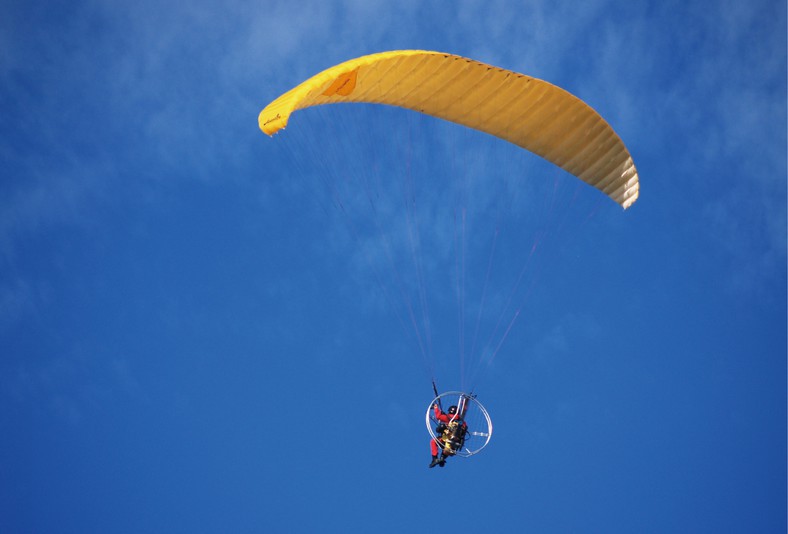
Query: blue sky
[194, 337]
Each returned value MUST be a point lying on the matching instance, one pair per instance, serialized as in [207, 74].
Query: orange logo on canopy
[343, 85]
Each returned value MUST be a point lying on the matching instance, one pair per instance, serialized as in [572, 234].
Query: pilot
[451, 434]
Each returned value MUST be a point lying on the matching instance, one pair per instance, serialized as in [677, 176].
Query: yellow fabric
[528, 112]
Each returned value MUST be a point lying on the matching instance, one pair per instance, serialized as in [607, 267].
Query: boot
[434, 462]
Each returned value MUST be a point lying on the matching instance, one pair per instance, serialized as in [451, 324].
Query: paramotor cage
[467, 431]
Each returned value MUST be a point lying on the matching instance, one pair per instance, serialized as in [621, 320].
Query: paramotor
[467, 433]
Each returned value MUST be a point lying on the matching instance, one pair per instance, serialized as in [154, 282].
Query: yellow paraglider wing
[528, 112]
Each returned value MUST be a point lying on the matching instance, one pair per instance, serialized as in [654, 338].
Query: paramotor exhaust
[467, 432]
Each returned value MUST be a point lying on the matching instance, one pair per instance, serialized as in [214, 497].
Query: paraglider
[525, 111]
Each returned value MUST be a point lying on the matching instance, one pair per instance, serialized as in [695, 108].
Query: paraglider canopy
[526, 111]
